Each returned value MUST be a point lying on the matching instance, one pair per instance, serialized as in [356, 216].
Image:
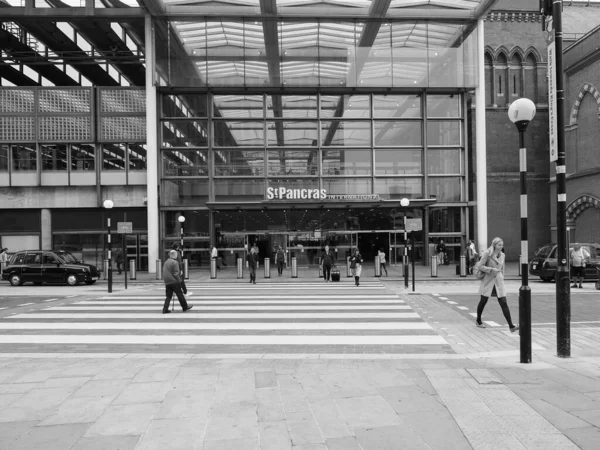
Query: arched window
[501, 81]
[530, 82]
[515, 78]
[489, 82]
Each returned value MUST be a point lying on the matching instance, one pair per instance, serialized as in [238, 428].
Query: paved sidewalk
[479, 397]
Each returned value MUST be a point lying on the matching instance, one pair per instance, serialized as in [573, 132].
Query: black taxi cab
[544, 263]
[48, 266]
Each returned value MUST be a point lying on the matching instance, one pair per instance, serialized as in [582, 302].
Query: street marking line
[50, 300]
[204, 316]
[443, 298]
[491, 323]
[222, 339]
[464, 308]
[216, 326]
[199, 301]
[250, 297]
[554, 323]
[450, 302]
[229, 308]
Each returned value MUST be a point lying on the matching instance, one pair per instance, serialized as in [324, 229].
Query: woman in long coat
[492, 284]
[356, 266]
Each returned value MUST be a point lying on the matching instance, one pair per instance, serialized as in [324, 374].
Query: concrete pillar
[46, 229]
[480, 141]
[152, 147]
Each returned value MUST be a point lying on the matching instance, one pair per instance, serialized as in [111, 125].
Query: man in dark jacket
[180, 261]
[327, 260]
[172, 279]
[252, 263]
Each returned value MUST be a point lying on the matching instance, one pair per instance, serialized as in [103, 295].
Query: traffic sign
[414, 224]
[124, 227]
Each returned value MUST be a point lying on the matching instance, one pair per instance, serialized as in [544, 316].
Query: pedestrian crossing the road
[291, 318]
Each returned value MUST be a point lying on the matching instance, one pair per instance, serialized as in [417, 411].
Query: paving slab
[54, 437]
[126, 442]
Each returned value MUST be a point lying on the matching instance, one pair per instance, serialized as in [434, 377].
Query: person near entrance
[280, 260]
[356, 266]
[119, 260]
[471, 256]
[440, 249]
[579, 258]
[252, 263]
[179, 258]
[172, 277]
[327, 259]
[214, 254]
[382, 261]
[492, 283]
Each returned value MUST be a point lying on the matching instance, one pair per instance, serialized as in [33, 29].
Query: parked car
[544, 263]
[48, 266]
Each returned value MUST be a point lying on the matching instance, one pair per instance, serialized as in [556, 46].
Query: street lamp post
[404, 203]
[521, 112]
[108, 204]
[181, 221]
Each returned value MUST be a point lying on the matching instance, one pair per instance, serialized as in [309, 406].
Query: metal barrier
[377, 266]
[213, 268]
[348, 269]
[463, 266]
[159, 269]
[434, 266]
[132, 270]
[267, 268]
[240, 268]
[186, 269]
[105, 269]
[294, 267]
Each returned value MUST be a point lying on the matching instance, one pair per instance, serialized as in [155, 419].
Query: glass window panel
[345, 133]
[184, 105]
[185, 163]
[195, 225]
[4, 158]
[443, 105]
[444, 132]
[54, 157]
[185, 133]
[292, 162]
[238, 134]
[292, 106]
[184, 192]
[442, 161]
[445, 189]
[346, 162]
[291, 183]
[343, 186]
[237, 162]
[288, 133]
[83, 157]
[397, 188]
[24, 158]
[444, 220]
[228, 190]
[238, 106]
[400, 106]
[113, 156]
[345, 106]
[398, 162]
[397, 133]
[137, 157]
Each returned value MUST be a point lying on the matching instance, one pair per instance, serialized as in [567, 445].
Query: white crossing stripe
[464, 308]
[229, 307]
[25, 304]
[443, 298]
[199, 301]
[251, 297]
[50, 300]
[276, 287]
[491, 323]
[202, 315]
[221, 339]
[450, 302]
[216, 326]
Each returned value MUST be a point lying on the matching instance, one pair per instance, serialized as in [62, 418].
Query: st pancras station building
[229, 123]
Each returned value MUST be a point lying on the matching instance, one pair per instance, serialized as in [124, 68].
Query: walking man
[119, 259]
[280, 260]
[179, 258]
[252, 263]
[172, 279]
[327, 261]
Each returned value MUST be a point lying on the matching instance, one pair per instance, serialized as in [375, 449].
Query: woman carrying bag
[356, 266]
[491, 265]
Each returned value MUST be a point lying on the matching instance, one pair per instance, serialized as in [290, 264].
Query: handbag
[479, 274]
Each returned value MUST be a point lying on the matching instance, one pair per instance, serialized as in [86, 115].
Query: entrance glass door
[396, 247]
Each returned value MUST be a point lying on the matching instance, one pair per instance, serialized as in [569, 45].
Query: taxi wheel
[90, 282]
[72, 279]
[16, 280]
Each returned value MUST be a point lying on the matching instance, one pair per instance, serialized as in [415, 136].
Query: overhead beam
[66, 14]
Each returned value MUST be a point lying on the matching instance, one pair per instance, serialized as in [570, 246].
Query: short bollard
[377, 266]
[240, 268]
[294, 267]
[213, 268]
[159, 269]
[267, 267]
[348, 269]
[132, 269]
[105, 268]
[463, 266]
[186, 269]
[434, 266]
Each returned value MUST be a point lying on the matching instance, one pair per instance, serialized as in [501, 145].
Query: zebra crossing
[282, 318]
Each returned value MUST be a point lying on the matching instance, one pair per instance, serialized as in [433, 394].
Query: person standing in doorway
[492, 283]
[471, 256]
[252, 263]
[440, 249]
[119, 259]
[172, 277]
[280, 260]
[382, 261]
[356, 266]
[327, 259]
[579, 258]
